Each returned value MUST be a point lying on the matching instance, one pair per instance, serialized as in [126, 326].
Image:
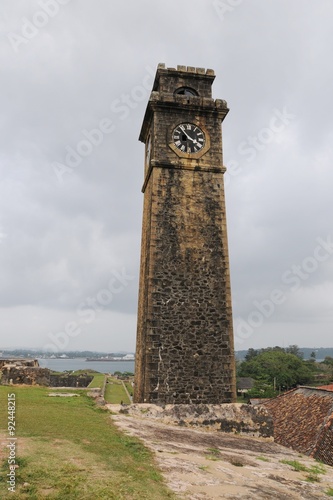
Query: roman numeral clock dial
[188, 138]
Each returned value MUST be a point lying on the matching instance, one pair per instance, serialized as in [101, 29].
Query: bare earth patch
[208, 464]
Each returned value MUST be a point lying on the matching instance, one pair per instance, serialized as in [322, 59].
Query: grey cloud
[64, 236]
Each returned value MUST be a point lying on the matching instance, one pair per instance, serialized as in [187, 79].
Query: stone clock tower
[185, 351]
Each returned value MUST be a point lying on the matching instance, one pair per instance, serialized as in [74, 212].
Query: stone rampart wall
[11, 374]
[231, 418]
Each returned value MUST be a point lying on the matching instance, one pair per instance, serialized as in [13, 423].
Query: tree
[251, 353]
[261, 390]
[328, 360]
[313, 356]
[287, 369]
[294, 349]
[327, 367]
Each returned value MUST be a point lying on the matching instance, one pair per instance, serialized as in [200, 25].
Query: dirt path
[207, 465]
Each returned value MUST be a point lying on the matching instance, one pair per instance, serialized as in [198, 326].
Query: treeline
[277, 369]
[321, 352]
[36, 353]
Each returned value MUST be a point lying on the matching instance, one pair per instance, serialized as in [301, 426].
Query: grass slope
[68, 448]
[115, 392]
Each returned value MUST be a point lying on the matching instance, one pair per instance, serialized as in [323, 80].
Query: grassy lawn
[129, 388]
[115, 392]
[97, 381]
[67, 448]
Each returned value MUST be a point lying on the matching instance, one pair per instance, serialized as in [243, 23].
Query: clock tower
[185, 349]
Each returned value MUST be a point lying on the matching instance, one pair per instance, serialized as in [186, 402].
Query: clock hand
[193, 140]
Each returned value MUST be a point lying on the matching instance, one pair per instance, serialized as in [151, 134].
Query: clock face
[188, 138]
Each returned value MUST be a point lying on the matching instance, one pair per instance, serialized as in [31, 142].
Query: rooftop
[303, 420]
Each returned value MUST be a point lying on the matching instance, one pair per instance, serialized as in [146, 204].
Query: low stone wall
[25, 375]
[68, 380]
[232, 418]
[18, 362]
[12, 374]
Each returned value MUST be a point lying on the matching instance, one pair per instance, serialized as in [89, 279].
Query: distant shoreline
[73, 364]
[109, 359]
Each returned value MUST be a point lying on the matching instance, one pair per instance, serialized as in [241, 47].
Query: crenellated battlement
[171, 80]
[187, 69]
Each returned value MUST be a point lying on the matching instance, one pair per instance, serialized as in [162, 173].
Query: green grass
[213, 454]
[313, 471]
[129, 387]
[115, 392]
[329, 492]
[68, 448]
[214, 451]
[318, 469]
[97, 381]
[79, 372]
[203, 467]
[313, 478]
[263, 459]
[295, 464]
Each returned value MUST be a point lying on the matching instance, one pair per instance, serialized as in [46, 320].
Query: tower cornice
[183, 104]
[182, 165]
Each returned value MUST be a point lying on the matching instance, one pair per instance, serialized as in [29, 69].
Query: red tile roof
[326, 387]
[303, 420]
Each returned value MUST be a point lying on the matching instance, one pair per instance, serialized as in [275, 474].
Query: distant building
[129, 357]
[244, 384]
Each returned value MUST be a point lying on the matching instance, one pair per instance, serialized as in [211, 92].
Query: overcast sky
[75, 80]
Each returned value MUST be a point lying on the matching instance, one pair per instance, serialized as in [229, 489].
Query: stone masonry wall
[230, 418]
[10, 374]
[18, 362]
[68, 380]
[189, 351]
[24, 375]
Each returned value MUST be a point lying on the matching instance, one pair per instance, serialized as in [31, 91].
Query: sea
[73, 364]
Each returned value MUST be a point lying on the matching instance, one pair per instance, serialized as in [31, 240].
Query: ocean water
[61, 365]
